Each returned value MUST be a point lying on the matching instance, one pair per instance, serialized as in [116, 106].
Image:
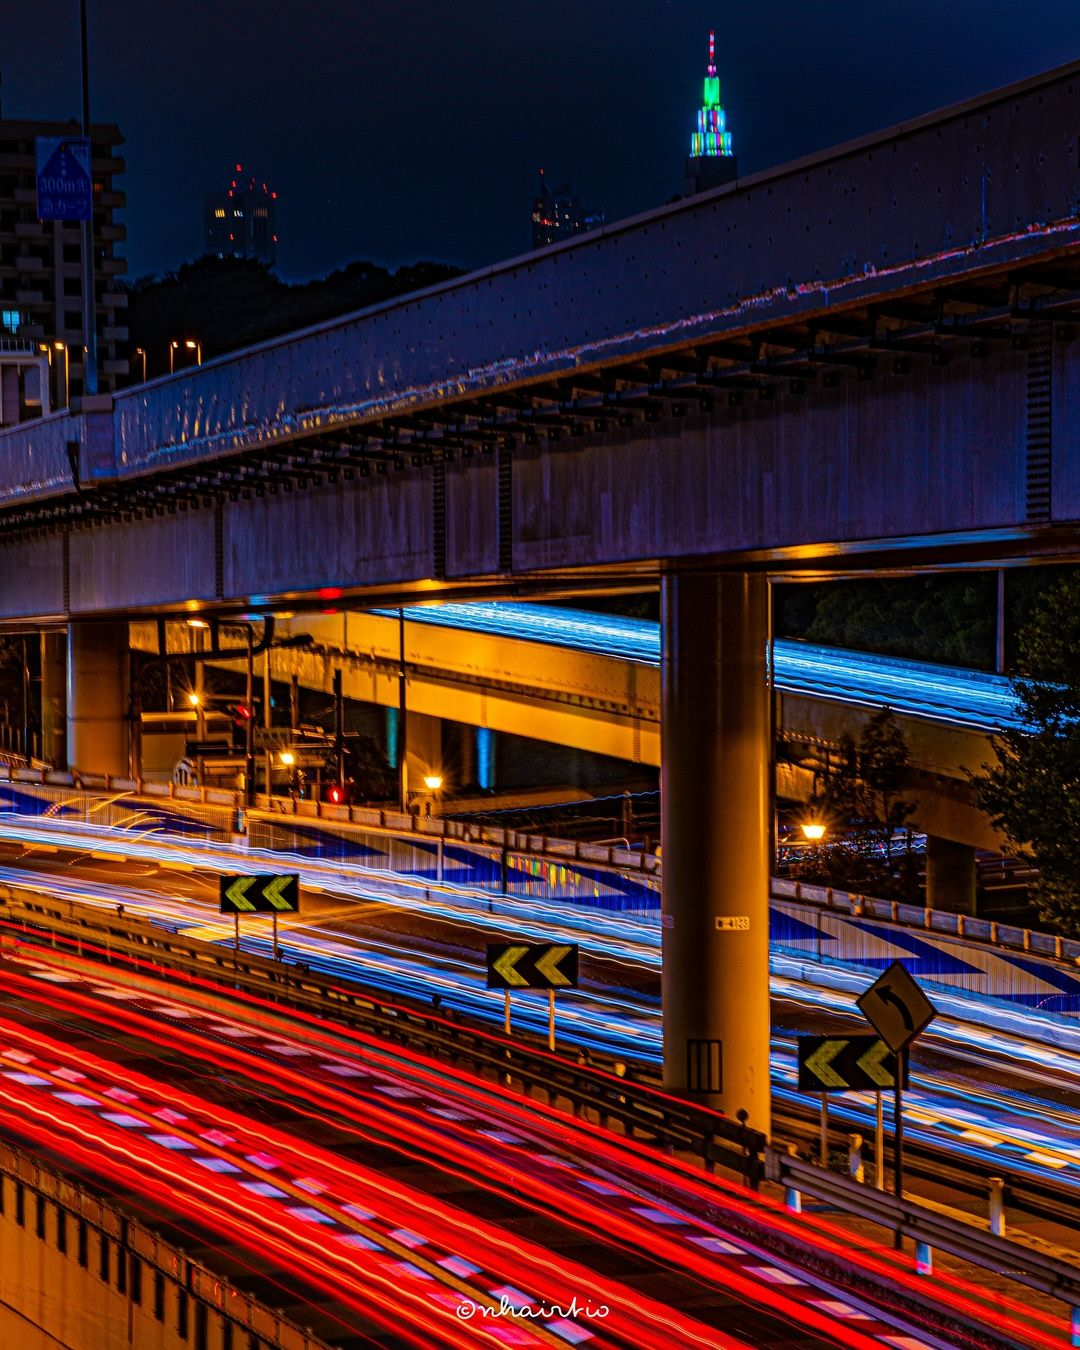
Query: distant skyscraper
[557, 215]
[241, 221]
[712, 160]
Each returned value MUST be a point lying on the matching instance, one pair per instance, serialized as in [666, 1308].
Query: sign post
[524, 965]
[259, 893]
[899, 1011]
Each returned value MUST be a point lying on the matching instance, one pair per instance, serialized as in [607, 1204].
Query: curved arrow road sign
[896, 1007]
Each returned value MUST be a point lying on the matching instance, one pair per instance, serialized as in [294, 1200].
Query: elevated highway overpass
[592, 682]
[863, 360]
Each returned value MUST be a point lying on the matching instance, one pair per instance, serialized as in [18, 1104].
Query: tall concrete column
[950, 875]
[715, 834]
[97, 698]
[54, 698]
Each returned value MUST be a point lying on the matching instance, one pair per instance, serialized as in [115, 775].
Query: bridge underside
[865, 359]
[601, 704]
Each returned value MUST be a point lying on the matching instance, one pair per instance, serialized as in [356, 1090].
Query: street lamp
[59, 347]
[141, 353]
[289, 760]
[813, 831]
[188, 344]
[433, 781]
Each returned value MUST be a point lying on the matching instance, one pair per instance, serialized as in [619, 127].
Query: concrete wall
[75, 1273]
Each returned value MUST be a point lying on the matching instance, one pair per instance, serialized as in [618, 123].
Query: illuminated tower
[712, 160]
[241, 222]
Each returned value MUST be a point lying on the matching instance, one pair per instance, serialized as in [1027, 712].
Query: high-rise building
[241, 222]
[41, 272]
[712, 160]
[557, 215]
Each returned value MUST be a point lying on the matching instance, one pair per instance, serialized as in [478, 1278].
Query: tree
[883, 766]
[1032, 793]
[863, 799]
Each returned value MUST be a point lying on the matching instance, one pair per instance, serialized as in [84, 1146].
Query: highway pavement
[987, 1094]
[396, 1198]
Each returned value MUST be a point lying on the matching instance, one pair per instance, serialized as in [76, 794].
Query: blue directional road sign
[65, 188]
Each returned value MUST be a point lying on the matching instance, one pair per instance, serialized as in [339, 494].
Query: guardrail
[964, 926]
[641, 1110]
[928, 1229]
[546, 848]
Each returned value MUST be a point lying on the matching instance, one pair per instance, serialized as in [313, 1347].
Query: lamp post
[140, 352]
[188, 344]
[89, 288]
[61, 348]
[288, 759]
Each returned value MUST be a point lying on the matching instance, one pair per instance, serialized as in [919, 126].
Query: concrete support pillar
[423, 750]
[97, 698]
[950, 875]
[54, 698]
[715, 806]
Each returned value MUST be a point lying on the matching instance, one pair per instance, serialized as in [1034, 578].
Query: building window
[103, 1264]
[83, 1244]
[41, 1216]
[20, 1204]
[61, 1231]
[201, 1327]
[181, 1314]
[159, 1296]
[136, 1280]
[10, 320]
[219, 213]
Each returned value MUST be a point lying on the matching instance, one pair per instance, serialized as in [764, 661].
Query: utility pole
[89, 283]
[339, 729]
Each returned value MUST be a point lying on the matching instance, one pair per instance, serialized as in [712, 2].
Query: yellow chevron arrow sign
[845, 1064]
[272, 891]
[259, 893]
[820, 1062]
[873, 1065]
[505, 967]
[548, 966]
[236, 893]
[532, 965]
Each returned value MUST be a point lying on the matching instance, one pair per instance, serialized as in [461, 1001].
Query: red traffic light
[243, 712]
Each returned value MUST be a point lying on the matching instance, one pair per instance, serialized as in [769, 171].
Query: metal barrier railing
[641, 1109]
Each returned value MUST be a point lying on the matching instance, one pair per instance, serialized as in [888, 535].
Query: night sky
[402, 129]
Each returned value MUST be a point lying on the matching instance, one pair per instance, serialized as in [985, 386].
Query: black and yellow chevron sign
[845, 1064]
[260, 893]
[532, 965]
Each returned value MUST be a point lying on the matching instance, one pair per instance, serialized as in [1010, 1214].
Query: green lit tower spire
[712, 160]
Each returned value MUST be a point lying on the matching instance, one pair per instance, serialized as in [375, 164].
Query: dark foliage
[230, 303]
[1032, 793]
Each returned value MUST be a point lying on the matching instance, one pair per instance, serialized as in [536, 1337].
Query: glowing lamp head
[813, 831]
[433, 781]
[194, 699]
[287, 758]
[336, 795]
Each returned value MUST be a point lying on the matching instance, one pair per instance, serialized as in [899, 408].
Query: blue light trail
[944, 693]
